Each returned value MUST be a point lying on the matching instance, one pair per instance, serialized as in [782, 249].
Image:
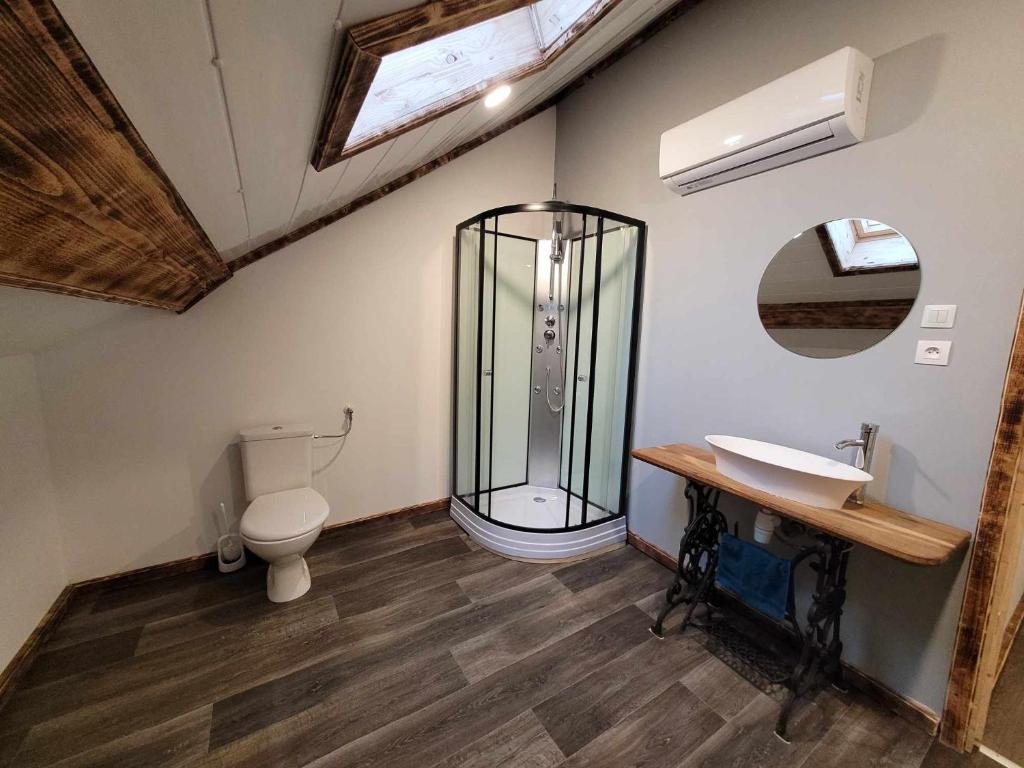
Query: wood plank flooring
[1003, 731]
[415, 648]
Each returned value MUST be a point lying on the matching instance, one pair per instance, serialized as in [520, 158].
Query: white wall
[32, 568]
[942, 162]
[147, 406]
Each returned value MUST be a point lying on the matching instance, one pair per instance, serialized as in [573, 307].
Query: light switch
[933, 352]
[939, 316]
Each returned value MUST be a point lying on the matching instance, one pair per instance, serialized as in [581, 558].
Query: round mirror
[838, 288]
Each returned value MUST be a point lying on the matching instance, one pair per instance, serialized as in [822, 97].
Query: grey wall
[32, 568]
[942, 162]
[143, 410]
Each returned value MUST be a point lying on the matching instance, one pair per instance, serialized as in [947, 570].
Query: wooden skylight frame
[839, 269]
[365, 45]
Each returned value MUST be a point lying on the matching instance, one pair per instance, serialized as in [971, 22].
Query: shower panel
[547, 302]
[547, 376]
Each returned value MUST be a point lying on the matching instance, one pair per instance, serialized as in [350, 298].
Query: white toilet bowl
[279, 527]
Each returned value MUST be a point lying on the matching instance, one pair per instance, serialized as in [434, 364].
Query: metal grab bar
[349, 413]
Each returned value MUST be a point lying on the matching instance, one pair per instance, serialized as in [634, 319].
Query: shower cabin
[546, 325]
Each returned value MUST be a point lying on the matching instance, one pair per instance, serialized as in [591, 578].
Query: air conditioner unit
[816, 109]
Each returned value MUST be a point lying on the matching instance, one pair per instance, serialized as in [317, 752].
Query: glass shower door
[601, 324]
[467, 373]
[611, 344]
[494, 325]
[583, 254]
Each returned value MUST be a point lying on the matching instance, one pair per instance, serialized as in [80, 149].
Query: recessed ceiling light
[732, 141]
[497, 96]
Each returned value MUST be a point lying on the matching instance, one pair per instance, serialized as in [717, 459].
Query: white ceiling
[236, 142]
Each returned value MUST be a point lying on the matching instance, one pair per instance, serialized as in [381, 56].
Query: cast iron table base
[820, 646]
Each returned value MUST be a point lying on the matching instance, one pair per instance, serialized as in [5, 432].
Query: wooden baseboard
[654, 552]
[209, 559]
[147, 573]
[11, 674]
[426, 507]
[26, 654]
[912, 711]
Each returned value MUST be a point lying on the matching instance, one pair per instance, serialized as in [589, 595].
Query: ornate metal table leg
[834, 651]
[822, 649]
[698, 555]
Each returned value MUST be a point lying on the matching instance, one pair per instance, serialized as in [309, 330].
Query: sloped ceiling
[227, 95]
[257, 71]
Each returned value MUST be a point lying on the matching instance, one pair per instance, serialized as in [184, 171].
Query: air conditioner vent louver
[819, 108]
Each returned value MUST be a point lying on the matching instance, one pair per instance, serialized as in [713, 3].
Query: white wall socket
[933, 352]
[939, 316]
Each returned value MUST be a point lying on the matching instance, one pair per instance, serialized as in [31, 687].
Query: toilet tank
[276, 458]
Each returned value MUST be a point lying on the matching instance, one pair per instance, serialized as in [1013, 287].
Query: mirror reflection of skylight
[416, 81]
[865, 244]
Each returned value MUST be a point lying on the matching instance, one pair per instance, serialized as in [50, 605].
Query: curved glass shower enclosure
[547, 307]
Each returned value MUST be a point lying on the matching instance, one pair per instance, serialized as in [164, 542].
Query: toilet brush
[230, 553]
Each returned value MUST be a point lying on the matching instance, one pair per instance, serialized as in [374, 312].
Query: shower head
[557, 240]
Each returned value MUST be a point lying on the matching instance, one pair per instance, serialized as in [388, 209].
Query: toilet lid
[284, 515]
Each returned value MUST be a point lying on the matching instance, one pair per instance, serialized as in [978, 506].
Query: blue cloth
[755, 575]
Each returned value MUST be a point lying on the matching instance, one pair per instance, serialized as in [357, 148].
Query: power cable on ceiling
[328, 79]
[217, 64]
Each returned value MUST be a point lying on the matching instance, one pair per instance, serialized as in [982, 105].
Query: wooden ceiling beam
[85, 208]
[870, 314]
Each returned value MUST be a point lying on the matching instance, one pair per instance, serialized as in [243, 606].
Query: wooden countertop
[904, 536]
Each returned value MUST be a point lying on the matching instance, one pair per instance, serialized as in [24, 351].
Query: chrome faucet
[866, 442]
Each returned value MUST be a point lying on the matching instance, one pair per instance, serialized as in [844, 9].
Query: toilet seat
[284, 515]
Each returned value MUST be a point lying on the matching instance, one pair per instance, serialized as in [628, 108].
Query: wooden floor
[415, 648]
[1003, 732]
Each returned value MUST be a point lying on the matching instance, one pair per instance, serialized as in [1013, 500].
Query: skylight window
[862, 246]
[389, 82]
[413, 81]
[555, 17]
[417, 80]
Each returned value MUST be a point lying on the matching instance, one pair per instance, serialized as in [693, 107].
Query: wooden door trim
[1000, 529]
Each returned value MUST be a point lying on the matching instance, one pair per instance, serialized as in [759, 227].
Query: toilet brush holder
[230, 544]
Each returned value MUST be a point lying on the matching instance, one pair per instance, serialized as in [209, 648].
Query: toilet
[285, 514]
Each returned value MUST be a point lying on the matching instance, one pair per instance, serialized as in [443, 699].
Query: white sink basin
[786, 472]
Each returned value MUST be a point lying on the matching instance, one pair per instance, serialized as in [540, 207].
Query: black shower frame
[550, 206]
